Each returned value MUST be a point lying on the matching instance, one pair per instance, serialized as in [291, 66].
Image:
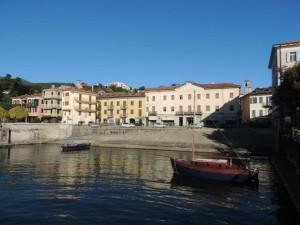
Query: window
[189, 96]
[105, 103]
[147, 98]
[198, 96]
[293, 56]
[253, 113]
[118, 103]
[231, 108]
[165, 97]
[172, 109]
[140, 113]
[79, 113]
[147, 109]
[180, 108]
[172, 97]
[165, 109]
[207, 96]
[231, 94]
[181, 97]
[118, 111]
[131, 102]
[66, 103]
[253, 100]
[217, 95]
[198, 108]
[153, 98]
[90, 98]
[131, 111]
[261, 113]
[153, 108]
[80, 96]
[260, 99]
[140, 103]
[90, 113]
[207, 108]
[105, 112]
[217, 108]
[67, 93]
[58, 93]
[124, 103]
[189, 108]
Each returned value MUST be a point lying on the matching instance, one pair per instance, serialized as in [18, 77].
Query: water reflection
[118, 186]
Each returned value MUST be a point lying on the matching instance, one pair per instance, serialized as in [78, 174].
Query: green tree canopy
[288, 93]
[18, 113]
[3, 114]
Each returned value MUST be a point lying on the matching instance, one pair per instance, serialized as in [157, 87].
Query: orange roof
[205, 86]
[120, 95]
[82, 90]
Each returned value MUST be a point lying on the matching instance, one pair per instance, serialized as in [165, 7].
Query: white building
[118, 84]
[256, 104]
[78, 106]
[192, 103]
[283, 56]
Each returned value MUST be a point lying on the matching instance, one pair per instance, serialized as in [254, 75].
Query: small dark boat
[75, 147]
[222, 169]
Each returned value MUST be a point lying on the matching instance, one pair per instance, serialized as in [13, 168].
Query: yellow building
[116, 108]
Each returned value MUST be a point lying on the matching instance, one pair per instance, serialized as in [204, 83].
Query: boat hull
[75, 147]
[186, 168]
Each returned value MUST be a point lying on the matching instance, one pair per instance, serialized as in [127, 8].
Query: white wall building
[78, 106]
[192, 103]
[283, 56]
[118, 84]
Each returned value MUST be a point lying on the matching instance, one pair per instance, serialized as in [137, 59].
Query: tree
[18, 113]
[3, 115]
[288, 93]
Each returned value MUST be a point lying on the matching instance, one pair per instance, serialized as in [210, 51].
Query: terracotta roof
[261, 91]
[120, 95]
[205, 86]
[82, 90]
[163, 88]
[218, 85]
[28, 96]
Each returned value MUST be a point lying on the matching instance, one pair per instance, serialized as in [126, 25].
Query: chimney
[247, 87]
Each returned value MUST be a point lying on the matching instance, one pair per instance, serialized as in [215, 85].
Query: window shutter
[287, 56]
[298, 55]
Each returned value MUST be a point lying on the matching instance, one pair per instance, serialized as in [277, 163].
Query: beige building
[256, 104]
[192, 103]
[52, 103]
[116, 108]
[78, 106]
[283, 56]
[33, 105]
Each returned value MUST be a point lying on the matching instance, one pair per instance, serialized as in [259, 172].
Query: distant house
[256, 104]
[119, 85]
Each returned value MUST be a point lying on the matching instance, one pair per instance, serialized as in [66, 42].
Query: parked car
[159, 125]
[93, 125]
[196, 126]
[127, 125]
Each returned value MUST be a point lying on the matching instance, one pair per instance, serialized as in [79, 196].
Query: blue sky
[144, 42]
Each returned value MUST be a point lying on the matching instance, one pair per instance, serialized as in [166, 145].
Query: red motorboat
[216, 167]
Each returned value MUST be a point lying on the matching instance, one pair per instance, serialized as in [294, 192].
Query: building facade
[78, 106]
[117, 108]
[52, 104]
[283, 56]
[33, 105]
[256, 104]
[192, 103]
[118, 84]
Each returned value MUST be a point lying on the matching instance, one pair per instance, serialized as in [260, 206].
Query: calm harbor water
[41, 185]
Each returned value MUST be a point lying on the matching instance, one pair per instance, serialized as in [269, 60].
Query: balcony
[84, 109]
[51, 106]
[188, 113]
[86, 101]
[123, 107]
[152, 113]
[49, 96]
